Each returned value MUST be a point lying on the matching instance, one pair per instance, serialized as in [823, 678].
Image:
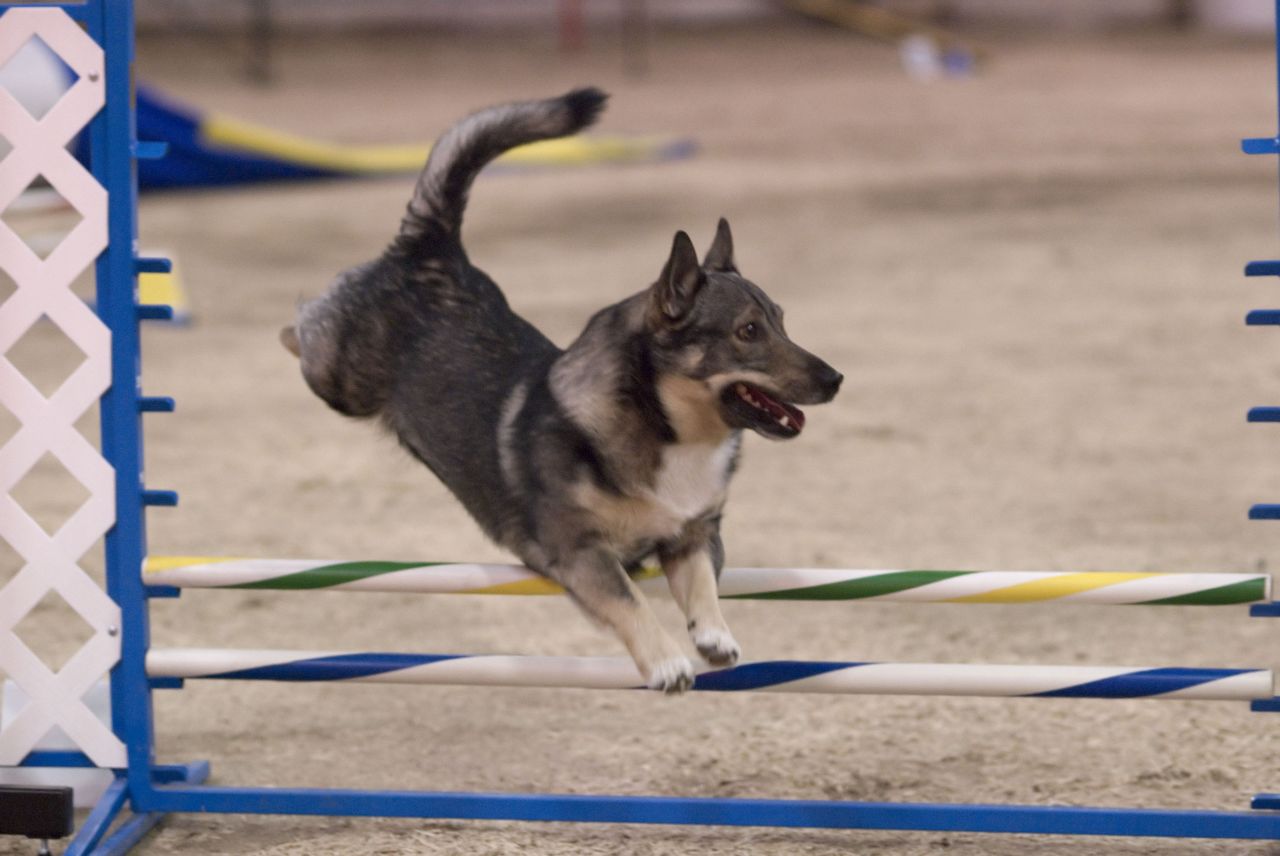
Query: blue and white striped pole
[794, 676]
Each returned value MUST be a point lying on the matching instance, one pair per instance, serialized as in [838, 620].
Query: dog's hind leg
[596, 580]
[692, 574]
[343, 341]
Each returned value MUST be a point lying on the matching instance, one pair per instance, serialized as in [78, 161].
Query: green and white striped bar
[786, 676]
[920, 586]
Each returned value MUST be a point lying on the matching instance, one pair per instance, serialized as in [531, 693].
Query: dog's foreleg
[692, 578]
[595, 579]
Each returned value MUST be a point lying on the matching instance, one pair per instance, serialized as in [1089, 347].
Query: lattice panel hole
[7, 286]
[49, 493]
[84, 286]
[46, 356]
[89, 426]
[10, 563]
[9, 425]
[94, 562]
[53, 631]
[41, 217]
[36, 77]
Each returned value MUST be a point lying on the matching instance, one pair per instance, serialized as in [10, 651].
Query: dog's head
[711, 325]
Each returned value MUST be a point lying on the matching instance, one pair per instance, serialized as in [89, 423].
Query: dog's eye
[749, 332]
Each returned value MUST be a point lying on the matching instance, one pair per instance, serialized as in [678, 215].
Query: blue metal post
[111, 146]
[1266, 317]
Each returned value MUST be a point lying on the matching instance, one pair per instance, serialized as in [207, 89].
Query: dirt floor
[1031, 279]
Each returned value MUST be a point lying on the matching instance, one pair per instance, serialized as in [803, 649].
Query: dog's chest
[691, 478]
[689, 482]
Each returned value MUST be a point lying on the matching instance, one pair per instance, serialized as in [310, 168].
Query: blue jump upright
[143, 791]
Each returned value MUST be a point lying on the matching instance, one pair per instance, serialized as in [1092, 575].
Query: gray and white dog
[584, 461]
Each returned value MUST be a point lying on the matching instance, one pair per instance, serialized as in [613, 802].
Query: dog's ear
[720, 256]
[672, 296]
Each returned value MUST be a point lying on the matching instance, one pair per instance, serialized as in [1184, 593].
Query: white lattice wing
[52, 562]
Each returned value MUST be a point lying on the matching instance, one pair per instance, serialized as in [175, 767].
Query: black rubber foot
[36, 812]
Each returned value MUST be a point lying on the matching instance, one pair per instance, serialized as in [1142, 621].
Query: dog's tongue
[778, 409]
[796, 414]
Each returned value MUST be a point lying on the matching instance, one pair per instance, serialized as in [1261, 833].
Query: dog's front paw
[673, 675]
[717, 646]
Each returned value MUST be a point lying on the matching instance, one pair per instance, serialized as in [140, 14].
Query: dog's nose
[831, 382]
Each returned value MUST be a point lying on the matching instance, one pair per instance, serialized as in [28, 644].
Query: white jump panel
[51, 563]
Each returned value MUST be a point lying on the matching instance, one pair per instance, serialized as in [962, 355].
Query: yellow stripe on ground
[1051, 588]
[255, 139]
[153, 564]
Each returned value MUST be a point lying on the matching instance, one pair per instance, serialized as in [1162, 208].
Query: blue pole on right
[1265, 317]
[1265, 510]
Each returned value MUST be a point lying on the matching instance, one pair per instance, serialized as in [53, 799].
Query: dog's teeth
[745, 393]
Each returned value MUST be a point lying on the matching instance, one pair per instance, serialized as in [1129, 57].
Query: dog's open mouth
[762, 412]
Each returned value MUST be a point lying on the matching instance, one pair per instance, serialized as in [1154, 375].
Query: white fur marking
[692, 476]
[717, 646]
[718, 382]
[673, 676]
[506, 430]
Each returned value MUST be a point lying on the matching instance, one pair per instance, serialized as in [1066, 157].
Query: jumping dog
[582, 461]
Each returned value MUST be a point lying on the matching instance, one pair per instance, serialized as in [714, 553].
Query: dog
[584, 461]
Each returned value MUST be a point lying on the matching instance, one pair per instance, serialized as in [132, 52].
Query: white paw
[673, 675]
[717, 646]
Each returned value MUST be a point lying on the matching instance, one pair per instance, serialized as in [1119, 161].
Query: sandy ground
[1031, 280]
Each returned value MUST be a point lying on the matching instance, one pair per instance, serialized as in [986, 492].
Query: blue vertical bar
[112, 136]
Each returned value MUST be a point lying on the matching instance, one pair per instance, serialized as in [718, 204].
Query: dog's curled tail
[463, 150]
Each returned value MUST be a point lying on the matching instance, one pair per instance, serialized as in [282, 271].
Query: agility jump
[95, 38]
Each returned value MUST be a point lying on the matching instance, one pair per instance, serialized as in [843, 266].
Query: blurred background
[571, 25]
[1017, 228]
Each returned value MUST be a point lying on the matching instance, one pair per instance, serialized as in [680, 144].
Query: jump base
[712, 811]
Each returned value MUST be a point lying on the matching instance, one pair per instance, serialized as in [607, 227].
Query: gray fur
[584, 461]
